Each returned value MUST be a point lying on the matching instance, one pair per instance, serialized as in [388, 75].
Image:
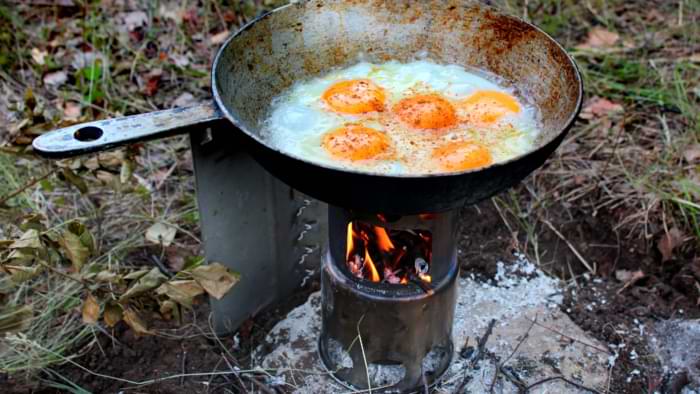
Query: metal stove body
[255, 225]
[367, 324]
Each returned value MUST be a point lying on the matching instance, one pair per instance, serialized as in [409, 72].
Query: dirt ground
[192, 348]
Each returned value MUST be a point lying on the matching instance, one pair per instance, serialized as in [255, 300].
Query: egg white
[298, 118]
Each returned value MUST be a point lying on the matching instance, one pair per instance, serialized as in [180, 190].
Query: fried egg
[402, 118]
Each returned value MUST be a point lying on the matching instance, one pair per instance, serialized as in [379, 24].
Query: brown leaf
[219, 38]
[216, 279]
[626, 276]
[668, 242]
[176, 258]
[74, 249]
[181, 291]
[134, 321]
[598, 107]
[599, 38]
[160, 233]
[692, 153]
[113, 314]
[91, 310]
[71, 111]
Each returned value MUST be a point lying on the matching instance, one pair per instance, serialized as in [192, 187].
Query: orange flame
[383, 239]
[350, 244]
[374, 274]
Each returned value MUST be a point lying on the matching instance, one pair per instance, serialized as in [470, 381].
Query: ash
[677, 343]
[518, 294]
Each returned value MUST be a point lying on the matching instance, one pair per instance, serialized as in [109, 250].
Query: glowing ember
[388, 256]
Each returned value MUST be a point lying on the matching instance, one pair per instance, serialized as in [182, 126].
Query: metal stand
[253, 224]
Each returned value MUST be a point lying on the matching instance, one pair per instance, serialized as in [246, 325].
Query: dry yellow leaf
[134, 321]
[91, 310]
[216, 279]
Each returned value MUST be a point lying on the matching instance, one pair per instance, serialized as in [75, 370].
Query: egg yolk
[486, 107]
[356, 142]
[426, 111]
[461, 155]
[357, 96]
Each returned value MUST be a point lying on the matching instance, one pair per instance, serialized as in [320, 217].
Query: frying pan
[306, 39]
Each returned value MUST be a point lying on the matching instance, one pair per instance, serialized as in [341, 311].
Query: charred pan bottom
[398, 341]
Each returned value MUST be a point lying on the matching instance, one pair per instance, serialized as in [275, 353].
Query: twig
[364, 357]
[235, 374]
[184, 365]
[480, 351]
[573, 249]
[517, 347]
[26, 186]
[569, 381]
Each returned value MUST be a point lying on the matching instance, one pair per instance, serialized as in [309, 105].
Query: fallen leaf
[75, 180]
[23, 273]
[161, 234]
[15, 319]
[181, 291]
[668, 242]
[71, 111]
[176, 258]
[39, 56]
[151, 280]
[134, 321]
[28, 240]
[626, 276]
[152, 82]
[113, 314]
[57, 78]
[216, 279]
[74, 249]
[134, 20]
[599, 38]
[133, 275]
[692, 153]
[184, 100]
[170, 309]
[629, 277]
[598, 107]
[91, 310]
[180, 60]
[219, 38]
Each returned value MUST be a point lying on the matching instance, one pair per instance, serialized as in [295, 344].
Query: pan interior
[307, 39]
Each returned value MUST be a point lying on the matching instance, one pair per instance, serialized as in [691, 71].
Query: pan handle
[110, 133]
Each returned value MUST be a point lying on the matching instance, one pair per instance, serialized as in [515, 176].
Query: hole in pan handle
[111, 133]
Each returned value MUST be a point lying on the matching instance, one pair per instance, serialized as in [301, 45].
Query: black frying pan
[300, 41]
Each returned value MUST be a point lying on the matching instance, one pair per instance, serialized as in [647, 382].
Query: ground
[614, 214]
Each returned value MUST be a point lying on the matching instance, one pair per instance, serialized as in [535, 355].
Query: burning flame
[395, 257]
[350, 244]
[383, 239]
[374, 275]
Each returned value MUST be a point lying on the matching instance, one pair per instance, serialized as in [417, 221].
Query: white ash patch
[677, 343]
[518, 294]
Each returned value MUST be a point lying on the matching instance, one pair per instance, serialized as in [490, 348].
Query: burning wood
[389, 256]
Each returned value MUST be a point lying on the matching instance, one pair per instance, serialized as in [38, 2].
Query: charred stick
[480, 352]
[426, 287]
